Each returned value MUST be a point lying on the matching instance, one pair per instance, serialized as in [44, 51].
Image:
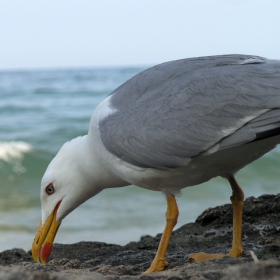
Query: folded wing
[175, 111]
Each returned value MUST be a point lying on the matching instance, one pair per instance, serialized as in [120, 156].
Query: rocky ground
[212, 233]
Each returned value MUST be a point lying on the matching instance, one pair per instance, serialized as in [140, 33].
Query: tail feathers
[265, 126]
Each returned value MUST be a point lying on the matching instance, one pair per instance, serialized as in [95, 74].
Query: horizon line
[50, 68]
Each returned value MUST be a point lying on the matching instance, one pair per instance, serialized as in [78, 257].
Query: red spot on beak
[45, 252]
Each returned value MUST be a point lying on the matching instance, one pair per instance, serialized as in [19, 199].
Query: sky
[104, 33]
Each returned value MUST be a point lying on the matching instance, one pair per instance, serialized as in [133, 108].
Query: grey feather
[177, 110]
[266, 125]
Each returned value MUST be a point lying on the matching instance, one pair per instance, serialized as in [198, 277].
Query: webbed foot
[201, 256]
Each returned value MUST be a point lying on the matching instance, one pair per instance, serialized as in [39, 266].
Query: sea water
[39, 111]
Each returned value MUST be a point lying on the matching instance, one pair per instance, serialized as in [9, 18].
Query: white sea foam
[13, 152]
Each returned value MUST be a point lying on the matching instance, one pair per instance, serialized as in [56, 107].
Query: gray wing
[175, 111]
[264, 126]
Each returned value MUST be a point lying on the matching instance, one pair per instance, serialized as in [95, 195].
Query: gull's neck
[93, 169]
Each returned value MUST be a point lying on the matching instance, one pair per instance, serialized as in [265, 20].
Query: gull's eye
[50, 189]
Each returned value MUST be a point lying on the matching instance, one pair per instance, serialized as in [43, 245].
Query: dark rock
[14, 256]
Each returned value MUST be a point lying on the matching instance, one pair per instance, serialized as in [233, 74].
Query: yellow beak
[43, 241]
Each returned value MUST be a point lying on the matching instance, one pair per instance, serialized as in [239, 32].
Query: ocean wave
[12, 152]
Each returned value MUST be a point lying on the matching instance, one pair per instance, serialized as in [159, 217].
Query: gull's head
[64, 186]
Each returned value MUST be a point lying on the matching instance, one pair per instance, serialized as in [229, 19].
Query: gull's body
[174, 125]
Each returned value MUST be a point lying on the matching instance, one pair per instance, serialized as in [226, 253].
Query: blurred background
[59, 59]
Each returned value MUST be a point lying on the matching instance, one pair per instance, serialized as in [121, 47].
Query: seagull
[175, 125]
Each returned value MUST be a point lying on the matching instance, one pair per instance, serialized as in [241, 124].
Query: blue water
[39, 111]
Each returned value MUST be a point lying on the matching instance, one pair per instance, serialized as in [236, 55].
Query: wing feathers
[175, 111]
[264, 126]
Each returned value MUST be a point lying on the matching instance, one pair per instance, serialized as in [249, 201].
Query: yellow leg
[237, 200]
[171, 214]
